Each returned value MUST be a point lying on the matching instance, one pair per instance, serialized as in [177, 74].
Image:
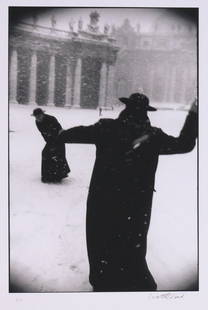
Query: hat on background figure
[37, 111]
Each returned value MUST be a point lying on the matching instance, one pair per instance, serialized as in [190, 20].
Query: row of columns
[173, 82]
[77, 83]
[51, 84]
[106, 88]
[33, 79]
[106, 95]
[110, 86]
[13, 77]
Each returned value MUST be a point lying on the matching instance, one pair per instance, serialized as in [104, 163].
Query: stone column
[77, 83]
[51, 84]
[195, 85]
[110, 86]
[68, 99]
[172, 84]
[151, 87]
[13, 77]
[183, 86]
[33, 79]
[103, 84]
[166, 82]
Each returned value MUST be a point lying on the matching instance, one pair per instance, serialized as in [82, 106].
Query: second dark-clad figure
[54, 166]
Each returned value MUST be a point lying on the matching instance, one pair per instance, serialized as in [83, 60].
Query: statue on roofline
[106, 28]
[80, 24]
[71, 25]
[113, 30]
[94, 19]
[53, 21]
[35, 20]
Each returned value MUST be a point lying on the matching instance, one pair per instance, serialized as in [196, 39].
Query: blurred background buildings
[90, 65]
[162, 62]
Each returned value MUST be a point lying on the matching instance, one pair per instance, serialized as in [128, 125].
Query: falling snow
[47, 221]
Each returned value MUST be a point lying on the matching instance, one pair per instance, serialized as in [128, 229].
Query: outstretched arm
[187, 138]
[80, 134]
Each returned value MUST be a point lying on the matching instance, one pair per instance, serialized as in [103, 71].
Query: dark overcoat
[54, 165]
[120, 197]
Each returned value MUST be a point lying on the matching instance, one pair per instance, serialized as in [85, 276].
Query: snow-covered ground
[47, 221]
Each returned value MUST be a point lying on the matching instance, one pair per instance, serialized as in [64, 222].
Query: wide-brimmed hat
[37, 111]
[137, 101]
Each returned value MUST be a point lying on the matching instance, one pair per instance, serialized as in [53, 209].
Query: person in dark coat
[54, 166]
[121, 191]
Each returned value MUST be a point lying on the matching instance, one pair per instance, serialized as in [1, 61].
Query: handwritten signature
[166, 296]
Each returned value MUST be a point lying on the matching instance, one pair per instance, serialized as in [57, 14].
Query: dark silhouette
[100, 111]
[121, 190]
[54, 165]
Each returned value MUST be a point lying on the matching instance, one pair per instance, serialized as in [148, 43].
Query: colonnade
[72, 81]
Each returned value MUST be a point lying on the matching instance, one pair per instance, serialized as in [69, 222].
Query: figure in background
[54, 165]
[121, 191]
[100, 111]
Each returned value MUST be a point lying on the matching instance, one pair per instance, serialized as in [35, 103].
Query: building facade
[161, 62]
[89, 68]
[48, 66]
